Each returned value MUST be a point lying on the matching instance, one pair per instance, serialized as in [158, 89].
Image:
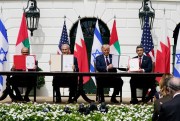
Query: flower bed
[55, 112]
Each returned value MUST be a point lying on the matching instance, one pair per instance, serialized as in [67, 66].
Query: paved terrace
[64, 100]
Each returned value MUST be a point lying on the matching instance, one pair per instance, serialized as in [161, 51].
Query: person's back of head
[174, 85]
[163, 84]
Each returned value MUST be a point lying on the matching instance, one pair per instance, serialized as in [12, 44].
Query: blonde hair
[105, 46]
[163, 84]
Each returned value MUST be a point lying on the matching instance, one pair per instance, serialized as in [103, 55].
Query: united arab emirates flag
[22, 40]
[114, 43]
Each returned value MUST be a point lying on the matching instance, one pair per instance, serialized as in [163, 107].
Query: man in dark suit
[27, 81]
[145, 65]
[104, 64]
[170, 111]
[70, 81]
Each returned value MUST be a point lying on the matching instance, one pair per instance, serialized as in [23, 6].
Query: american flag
[147, 41]
[64, 37]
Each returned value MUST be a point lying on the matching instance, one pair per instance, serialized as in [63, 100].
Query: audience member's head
[163, 84]
[174, 85]
[65, 49]
[139, 50]
[25, 51]
[105, 49]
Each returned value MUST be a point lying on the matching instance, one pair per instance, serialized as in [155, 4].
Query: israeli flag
[3, 53]
[177, 58]
[96, 48]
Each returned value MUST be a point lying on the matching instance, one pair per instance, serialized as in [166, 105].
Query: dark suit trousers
[144, 83]
[71, 82]
[107, 82]
[22, 81]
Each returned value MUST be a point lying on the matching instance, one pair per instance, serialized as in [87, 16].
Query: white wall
[46, 38]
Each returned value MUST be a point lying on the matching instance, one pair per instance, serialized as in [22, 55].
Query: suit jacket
[157, 104]
[65, 79]
[170, 111]
[146, 63]
[21, 80]
[76, 69]
[116, 81]
[101, 64]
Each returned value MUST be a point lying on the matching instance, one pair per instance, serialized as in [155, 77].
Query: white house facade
[46, 38]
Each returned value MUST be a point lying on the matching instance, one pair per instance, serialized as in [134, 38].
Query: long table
[80, 91]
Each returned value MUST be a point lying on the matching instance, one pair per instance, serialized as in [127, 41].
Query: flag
[22, 40]
[96, 47]
[80, 52]
[114, 43]
[162, 63]
[176, 70]
[64, 38]
[147, 41]
[3, 53]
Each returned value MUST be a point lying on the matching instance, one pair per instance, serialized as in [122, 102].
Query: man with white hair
[170, 111]
[69, 81]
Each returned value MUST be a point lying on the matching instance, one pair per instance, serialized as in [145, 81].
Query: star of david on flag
[3, 53]
[176, 70]
[178, 58]
[96, 48]
[96, 53]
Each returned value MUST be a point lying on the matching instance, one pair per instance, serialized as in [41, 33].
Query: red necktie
[140, 62]
[107, 61]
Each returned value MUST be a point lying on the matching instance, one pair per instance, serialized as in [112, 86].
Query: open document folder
[134, 64]
[23, 62]
[120, 61]
[61, 62]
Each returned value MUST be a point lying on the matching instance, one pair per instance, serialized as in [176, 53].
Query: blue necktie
[107, 61]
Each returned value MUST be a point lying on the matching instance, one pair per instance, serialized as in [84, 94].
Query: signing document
[134, 64]
[55, 62]
[68, 62]
[120, 61]
[30, 62]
